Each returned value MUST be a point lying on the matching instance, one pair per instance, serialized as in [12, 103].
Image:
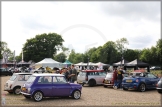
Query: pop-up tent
[81, 64]
[137, 64]
[123, 62]
[48, 62]
[67, 63]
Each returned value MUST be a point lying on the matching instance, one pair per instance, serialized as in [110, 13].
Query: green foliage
[61, 57]
[42, 46]
[4, 48]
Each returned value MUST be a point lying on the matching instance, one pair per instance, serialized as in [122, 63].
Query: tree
[120, 45]
[4, 49]
[61, 57]
[42, 46]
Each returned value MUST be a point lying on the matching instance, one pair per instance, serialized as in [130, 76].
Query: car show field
[91, 96]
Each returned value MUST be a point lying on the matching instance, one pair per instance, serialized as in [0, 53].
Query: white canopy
[81, 64]
[101, 64]
[49, 62]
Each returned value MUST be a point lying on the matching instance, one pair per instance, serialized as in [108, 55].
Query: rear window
[109, 75]
[97, 73]
[31, 79]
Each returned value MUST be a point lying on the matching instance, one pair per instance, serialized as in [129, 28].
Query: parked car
[155, 68]
[4, 71]
[14, 84]
[38, 70]
[109, 80]
[140, 81]
[91, 77]
[159, 86]
[50, 85]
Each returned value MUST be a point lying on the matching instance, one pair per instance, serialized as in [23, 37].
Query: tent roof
[119, 63]
[136, 62]
[102, 64]
[47, 60]
[67, 62]
[81, 63]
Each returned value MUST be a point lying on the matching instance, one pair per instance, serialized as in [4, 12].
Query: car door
[102, 76]
[45, 85]
[147, 80]
[60, 86]
[153, 80]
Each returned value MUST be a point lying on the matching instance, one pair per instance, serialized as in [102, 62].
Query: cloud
[133, 10]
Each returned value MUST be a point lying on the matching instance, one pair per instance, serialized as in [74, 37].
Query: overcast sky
[82, 25]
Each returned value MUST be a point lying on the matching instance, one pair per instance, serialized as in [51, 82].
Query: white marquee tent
[48, 62]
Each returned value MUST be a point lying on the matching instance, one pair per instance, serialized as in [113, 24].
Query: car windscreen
[13, 77]
[31, 79]
[109, 75]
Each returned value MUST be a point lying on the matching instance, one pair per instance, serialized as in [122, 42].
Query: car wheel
[159, 91]
[35, 72]
[37, 96]
[105, 86]
[27, 96]
[76, 94]
[142, 87]
[92, 83]
[17, 90]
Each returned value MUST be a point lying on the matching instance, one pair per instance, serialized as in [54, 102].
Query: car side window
[21, 78]
[61, 79]
[54, 80]
[151, 76]
[102, 73]
[45, 80]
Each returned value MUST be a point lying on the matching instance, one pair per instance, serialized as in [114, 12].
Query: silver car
[91, 77]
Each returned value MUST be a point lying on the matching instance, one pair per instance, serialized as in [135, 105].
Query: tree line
[47, 46]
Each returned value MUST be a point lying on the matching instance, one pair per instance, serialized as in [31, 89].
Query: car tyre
[35, 71]
[92, 83]
[159, 91]
[105, 86]
[76, 94]
[142, 87]
[125, 88]
[37, 96]
[17, 90]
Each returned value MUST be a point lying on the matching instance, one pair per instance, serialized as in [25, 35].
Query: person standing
[115, 78]
[120, 77]
[73, 75]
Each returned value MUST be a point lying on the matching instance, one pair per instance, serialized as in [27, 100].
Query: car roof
[92, 70]
[47, 74]
[22, 73]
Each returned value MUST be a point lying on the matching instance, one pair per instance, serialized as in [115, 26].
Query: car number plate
[23, 88]
[128, 80]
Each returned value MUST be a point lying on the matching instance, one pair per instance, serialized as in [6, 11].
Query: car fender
[34, 90]
[71, 92]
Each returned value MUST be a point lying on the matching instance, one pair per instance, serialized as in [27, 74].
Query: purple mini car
[49, 85]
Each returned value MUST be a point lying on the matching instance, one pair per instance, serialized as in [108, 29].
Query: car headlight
[137, 80]
[29, 90]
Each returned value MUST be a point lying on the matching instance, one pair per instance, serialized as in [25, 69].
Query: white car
[38, 70]
[91, 77]
[14, 84]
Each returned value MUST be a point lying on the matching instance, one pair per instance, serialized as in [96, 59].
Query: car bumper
[7, 89]
[25, 93]
[159, 88]
[82, 82]
[130, 86]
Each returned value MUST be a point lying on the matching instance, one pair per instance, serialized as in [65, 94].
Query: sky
[82, 25]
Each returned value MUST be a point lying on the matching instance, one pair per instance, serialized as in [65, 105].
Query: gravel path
[91, 96]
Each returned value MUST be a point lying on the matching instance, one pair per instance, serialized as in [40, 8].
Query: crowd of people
[70, 74]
